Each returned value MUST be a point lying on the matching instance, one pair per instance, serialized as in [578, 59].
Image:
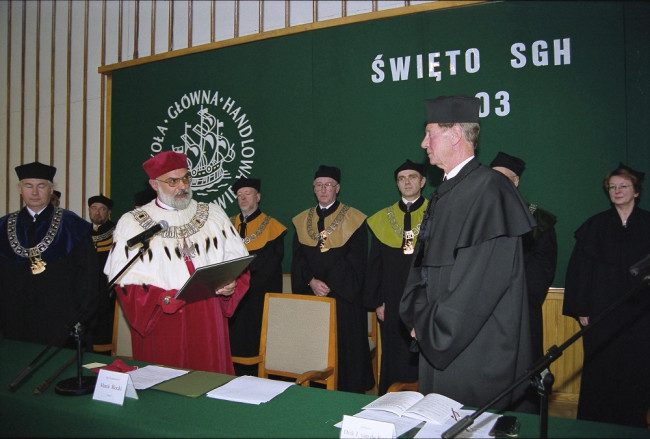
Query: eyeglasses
[622, 187]
[173, 182]
[327, 186]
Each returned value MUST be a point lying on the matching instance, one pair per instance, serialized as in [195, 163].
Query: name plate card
[113, 387]
[366, 428]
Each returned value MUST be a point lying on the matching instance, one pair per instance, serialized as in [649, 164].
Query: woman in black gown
[615, 384]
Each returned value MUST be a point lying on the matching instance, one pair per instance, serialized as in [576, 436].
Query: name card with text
[366, 428]
[113, 387]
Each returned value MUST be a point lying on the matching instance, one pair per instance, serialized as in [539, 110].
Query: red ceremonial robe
[192, 336]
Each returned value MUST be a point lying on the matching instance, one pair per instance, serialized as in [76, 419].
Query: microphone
[148, 234]
[640, 266]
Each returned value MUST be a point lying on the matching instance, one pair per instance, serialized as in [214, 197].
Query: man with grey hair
[465, 297]
[48, 268]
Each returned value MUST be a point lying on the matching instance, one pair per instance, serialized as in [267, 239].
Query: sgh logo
[217, 137]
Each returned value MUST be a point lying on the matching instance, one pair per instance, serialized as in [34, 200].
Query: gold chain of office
[37, 264]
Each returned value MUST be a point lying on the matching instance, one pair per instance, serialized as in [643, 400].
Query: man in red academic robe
[165, 330]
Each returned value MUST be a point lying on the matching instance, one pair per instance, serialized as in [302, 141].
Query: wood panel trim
[360, 18]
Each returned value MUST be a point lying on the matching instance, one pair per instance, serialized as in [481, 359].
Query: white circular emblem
[217, 137]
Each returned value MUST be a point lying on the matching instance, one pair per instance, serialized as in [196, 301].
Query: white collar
[454, 172]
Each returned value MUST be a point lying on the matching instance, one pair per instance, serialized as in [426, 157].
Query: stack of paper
[250, 390]
[148, 376]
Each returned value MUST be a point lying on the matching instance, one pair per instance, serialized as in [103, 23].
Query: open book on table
[430, 408]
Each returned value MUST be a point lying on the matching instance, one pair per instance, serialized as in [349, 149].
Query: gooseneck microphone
[148, 234]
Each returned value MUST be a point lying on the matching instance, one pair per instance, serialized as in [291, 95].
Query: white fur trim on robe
[160, 270]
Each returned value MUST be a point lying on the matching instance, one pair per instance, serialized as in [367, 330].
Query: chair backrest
[298, 335]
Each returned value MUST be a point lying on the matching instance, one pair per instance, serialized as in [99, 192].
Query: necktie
[322, 213]
[242, 227]
[35, 217]
[407, 216]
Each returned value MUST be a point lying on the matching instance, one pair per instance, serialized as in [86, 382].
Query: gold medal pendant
[408, 242]
[323, 238]
[37, 265]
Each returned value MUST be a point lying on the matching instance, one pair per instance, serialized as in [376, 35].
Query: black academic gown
[615, 383]
[342, 268]
[540, 260]
[245, 325]
[466, 292]
[40, 308]
[387, 270]
[103, 326]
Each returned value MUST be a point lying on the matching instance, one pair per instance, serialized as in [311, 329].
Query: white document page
[434, 408]
[148, 376]
[395, 402]
[250, 390]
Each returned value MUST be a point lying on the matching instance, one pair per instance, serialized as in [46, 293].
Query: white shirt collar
[32, 213]
[328, 206]
[405, 201]
[454, 172]
[163, 205]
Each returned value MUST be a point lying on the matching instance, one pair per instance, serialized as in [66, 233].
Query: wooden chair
[373, 345]
[298, 339]
[399, 386]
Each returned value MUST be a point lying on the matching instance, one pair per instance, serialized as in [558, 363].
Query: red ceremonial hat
[163, 163]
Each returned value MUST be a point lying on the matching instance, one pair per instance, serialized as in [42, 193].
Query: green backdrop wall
[564, 86]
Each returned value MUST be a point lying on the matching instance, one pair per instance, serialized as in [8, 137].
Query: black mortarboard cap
[58, 194]
[144, 196]
[328, 171]
[255, 183]
[503, 160]
[35, 170]
[453, 109]
[100, 199]
[637, 174]
[408, 164]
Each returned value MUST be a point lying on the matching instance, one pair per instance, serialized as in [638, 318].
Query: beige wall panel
[248, 18]
[112, 20]
[301, 13]
[162, 17]
[180, 25]
[144, 32]
[200, 22]
[273, 15]
[224, 21]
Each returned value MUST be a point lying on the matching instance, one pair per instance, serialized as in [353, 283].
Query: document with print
[430, 408]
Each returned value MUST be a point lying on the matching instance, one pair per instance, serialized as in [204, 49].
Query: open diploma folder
[203, 283]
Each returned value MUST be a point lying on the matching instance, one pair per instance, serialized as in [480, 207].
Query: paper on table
[250, 390]
[148, 376]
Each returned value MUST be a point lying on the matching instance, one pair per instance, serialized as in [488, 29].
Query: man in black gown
[394, 232]
[48, 269]
[99, 208]
[264, 238]
[329, 259]
[465, 296]
[540, 251]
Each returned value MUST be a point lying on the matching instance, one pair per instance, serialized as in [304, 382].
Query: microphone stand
[79, 385]
[544, 380]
